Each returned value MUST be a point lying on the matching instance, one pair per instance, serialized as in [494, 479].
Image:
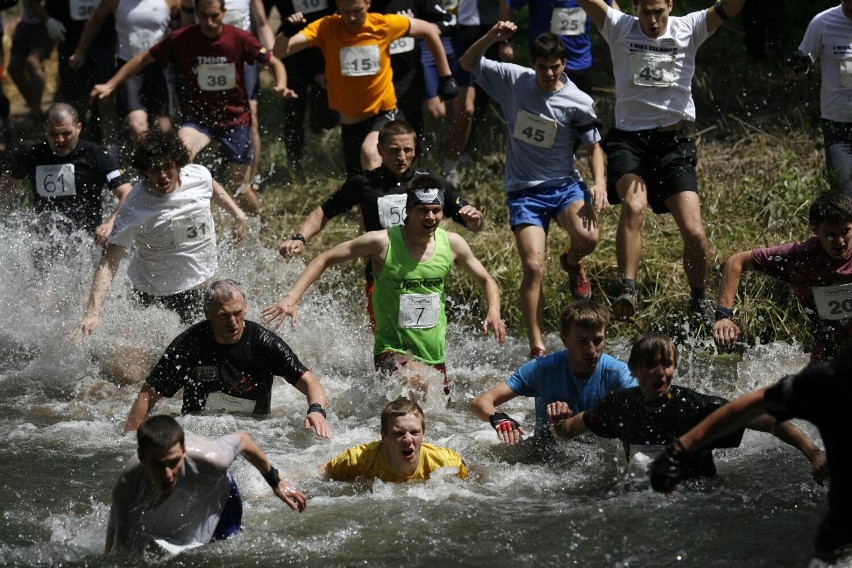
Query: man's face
[425, 218]
[164, 467]
[228, 319]
[653, 16]
[397, 153]
[835, 238]
[353, 12]
[63, 137]
[211, 16]
[548, 70]
[402, 442]
[585, 346]
[655, 375]
[164, 176]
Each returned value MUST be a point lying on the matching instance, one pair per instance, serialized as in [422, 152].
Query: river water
[61, 448]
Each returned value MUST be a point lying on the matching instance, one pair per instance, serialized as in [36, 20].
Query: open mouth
[408, 453]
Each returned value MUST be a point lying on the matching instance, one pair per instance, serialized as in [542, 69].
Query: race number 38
[833, 302]
[56, 180]
[217, 76]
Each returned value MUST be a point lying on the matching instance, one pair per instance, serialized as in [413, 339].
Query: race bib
[640, 458]
[401, 45]
[195, 227]
[80, 10]
[309, 6]
[652, 69]
[222, 402]
[568, 21]
[833, 302]
[140, 40]
[391, 210]
[534, 129]
[235, 18]
[56, 180]
[418, 311]
[217, 76]
[359, 60]
[846, 72]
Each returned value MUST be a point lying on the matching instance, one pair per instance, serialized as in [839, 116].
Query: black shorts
[189, 304]
[148, 90]
[31, 38]
[665, 160]
[353, 137]
[251, 80]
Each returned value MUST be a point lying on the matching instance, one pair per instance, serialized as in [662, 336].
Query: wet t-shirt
[200, 366]
[72, 184]
[623, 414]
[370, 461]
[805, 265]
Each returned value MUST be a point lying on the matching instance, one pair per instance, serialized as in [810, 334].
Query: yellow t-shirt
[371, 461]
[357, 62]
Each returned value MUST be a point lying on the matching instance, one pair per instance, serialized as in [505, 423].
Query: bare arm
[428, 32]
[372, 244]
[570, 427]
[223, 200]
[313, 390]
[104, 275]
[725, 331]
[464, 258]
[484, 405]
[284, 490]
[285, 45]
[280, 73]
[311, 226]
[501, 31]
[790, 434]
[261, 24]
[142, 406]
[731, 8]
[596, 10]
[129, 69]
[105, 228]
[91, 30]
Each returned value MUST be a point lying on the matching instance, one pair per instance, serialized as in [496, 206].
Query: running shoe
[581, 286]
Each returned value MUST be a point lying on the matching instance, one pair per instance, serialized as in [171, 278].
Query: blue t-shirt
[541, 127]
[550, 379]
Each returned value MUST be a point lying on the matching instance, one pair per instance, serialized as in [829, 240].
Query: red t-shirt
[212, 72]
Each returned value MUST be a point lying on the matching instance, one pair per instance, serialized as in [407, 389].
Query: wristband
[317, 407]
[297, 237]
[723, 313]
[498, 417]
[720, 10]
[272, 477]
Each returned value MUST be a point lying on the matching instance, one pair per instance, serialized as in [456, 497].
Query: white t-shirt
[653, 77]
[829, 38]
[140, 514]
[238, 13]
[174, 234]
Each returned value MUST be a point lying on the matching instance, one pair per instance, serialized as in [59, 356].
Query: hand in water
[320, 425]
[84, 329]
[558, 411]
[294, 498]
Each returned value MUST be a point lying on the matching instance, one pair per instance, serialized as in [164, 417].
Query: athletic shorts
[148, 90]
[430, 71]
[353, 137]
[388, 362]
[665, 160]
[251, 80]
[465, 37]
[187, 304]
[235, 141]
[538, 206]
[230, 522]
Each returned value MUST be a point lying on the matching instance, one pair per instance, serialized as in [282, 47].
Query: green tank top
[408, 300]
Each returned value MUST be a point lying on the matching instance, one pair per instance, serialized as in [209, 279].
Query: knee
[533, 267]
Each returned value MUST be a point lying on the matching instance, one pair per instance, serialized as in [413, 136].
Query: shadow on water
[61, 448]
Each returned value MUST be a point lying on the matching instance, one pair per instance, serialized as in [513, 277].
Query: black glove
[290, 29]
[501, 417]
[800, 62]
[665, 471]
[447, 88]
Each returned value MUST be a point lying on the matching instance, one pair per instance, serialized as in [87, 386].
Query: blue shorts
[235, 141]
[538, 205]
[430, 71]
[251, 80]
[230, 522]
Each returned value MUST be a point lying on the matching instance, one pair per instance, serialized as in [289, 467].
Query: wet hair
[396, 128]
[585, 314]
[221, 291]
[401, 407]
[159, 432]
[546, 46]
[832, 207]
[156, 146]
[647, 346]
[58, 112]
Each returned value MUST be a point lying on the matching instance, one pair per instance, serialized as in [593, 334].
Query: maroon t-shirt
[804, 265]
[212, 72]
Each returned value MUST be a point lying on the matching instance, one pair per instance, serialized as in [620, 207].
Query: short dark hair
[159, 432]
[157, 145]
[546, 46]
[831, 206]
[396, 128]
[58, 112]
[586, 314]
[401, 407]
[647, 346]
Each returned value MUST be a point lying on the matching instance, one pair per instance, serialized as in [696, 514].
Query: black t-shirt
[822, 394]
[77, 194]
[623, 414]
[197, 363]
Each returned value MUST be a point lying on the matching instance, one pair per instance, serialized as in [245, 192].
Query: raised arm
[314, 392]
[311, 226]
[282, 488]
[288, 42]
[725, 331]
[721, 11]
[104, 275]
[596, 10]
[464, 258]
[501, 31]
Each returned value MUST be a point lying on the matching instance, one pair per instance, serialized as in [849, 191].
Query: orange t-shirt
[357, 62]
